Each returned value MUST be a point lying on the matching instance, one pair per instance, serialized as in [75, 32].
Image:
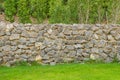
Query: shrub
[24, 11]
[59, 12]
[10, 9]
[39, 9]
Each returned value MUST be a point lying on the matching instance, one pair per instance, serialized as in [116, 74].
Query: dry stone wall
[58, 43]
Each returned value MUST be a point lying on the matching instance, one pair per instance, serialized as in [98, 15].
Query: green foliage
[24, 11]
[63, 11]
[10, 9]
[59, 12]
[1, 6]
[39, 9]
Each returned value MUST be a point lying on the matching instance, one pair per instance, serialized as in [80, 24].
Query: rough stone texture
[58, 43]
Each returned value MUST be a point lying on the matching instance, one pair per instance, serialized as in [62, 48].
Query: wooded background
[62, 11]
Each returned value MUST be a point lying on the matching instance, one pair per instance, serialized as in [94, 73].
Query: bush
[39, 9]
[24, 11]
[10, 9]
[59, 12]
[1, 7]
[63, 11]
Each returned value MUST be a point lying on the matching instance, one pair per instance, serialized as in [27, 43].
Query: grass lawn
[62, 72]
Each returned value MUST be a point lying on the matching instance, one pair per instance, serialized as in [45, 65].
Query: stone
[94, 56]
[14, 37]
[102, 43]
[19, 51]
[96, 36]
[17, 56]
[70, 47]
[75, 32]
[38, 58]
[9, 27]
[103, 55]
[1, 54]
[68, 60]
[52, 63]
[22, 46]
[79, 46]
[85, 55]
[25, 34]
[6, 48]
[33, 34]
[110, 38]
[88, 34]
[51, 53]
[99, 32]
[32, 40]
[50, 31]
[80, 38]
[2, 43]
[45, 57]
[95, 50]
[2, 33]
[108, 49]
[108, 60]
[22, 40]
[89, 45]
[117, 37]
[79, 51]
[24, 56]
[67, 32]
[38, 44]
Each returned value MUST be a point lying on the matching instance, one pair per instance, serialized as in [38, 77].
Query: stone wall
[58, 43]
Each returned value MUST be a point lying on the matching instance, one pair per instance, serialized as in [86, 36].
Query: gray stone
[108, 60]
[68, 60]
[85, 55]
[22, 46]
[88, 34]
[70, 47]
[110, 38]
[95, 50]
[38, 44]
[17, 56]
[2, 43]
[22, 40]
[80, 38]
[6, 48]
[95, 36]
[19, 51]
[99, 32]
[75, 32]
[102, 43]
[2, 33]
[45, 57]
[8, 33]
[32, 40]
[94, 56]
[52, 63]
[33, 34]
[117, 37]
[79, 46]
[103, 55]
[14, 37]
[24, 56]
[79, 51]
[25, 34]
[1, 54]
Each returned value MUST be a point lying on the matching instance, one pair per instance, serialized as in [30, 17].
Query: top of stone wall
[4, 24]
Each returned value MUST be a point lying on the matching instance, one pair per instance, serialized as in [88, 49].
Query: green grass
[62, 72]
